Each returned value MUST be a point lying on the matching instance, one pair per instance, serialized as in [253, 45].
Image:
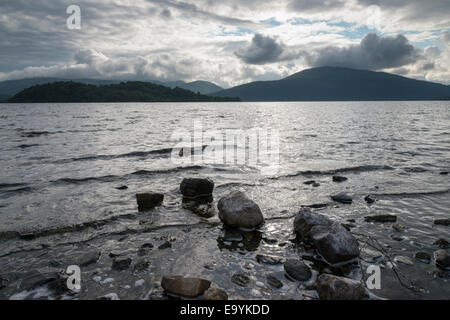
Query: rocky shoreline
[327, 243]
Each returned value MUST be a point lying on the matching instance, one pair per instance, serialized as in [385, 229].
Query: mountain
[340, 84]
[9, 88]
[204, 87]
[121, 92]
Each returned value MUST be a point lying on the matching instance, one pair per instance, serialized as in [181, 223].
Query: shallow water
[60, 165]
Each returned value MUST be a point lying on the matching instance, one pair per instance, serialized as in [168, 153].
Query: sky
[228, 42]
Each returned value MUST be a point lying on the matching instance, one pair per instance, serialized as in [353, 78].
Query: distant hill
[122, 92]
[9, 88]
[340, 84]
[204, 87]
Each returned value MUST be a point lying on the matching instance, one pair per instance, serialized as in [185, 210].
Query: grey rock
[121, 263]
[236, 210]
[423, 257]
[215, 294]
[185, 286]
[381, 218]
[297, 269]
[330, 287]
[442, 258]
[335, 243]
[306, 219]
[404, 260]
[149, 200]
[342, 198]
[196, 187]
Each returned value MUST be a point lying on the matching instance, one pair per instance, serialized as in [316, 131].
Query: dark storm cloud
[372, 53]
[194, 11]
[262, 50]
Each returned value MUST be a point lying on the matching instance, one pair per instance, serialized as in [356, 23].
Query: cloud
[315, 5]
[264, 49]
[373, 53]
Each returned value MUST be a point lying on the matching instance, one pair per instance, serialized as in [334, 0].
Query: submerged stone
[121, 263]
[339, 179]
[342, 198]
[442, 258]
[442, 243]
[215, 294]
[423, 257]
[185, 286]
[241, 279]
[274, 282]
[442, 222]
[381, 218]
[265, 259]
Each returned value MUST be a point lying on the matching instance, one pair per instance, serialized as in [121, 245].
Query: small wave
[411, 194]
[415, 169]
[112, 178]
[11, 185]
[33, 134]
[356, 169]
[24, 146]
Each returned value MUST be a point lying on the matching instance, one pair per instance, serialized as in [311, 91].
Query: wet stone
[165, 245]
[342, 198]
[215, 294]
[196, 187]
[274, 282]
[109, 296]
[339, 179]
[122, 188]
[297, 269]
[404, 260]
[423, 257]
[381, 218]
[442, 243]
[241, 279]
[442, 222]
[369, 199]
[185, 286]
[330, 287]
[149, 200]
[266, 259]
[121, 263]
[237, 210]
[309, 182]
[398, 227]
[141, 265]
[442, 258]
